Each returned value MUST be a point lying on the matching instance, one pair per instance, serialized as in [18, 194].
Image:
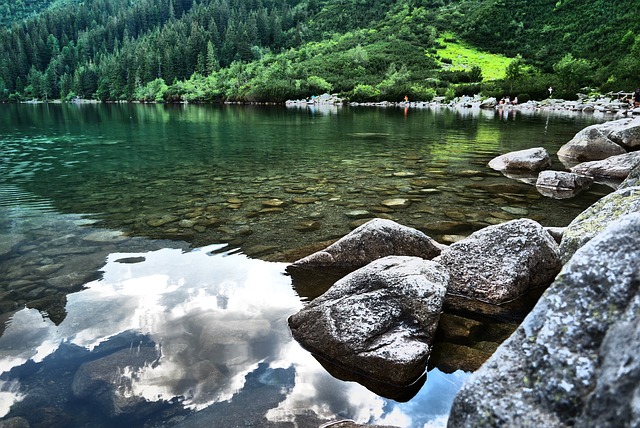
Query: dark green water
[150, 239]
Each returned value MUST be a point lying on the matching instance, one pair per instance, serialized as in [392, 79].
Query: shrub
[364, 93]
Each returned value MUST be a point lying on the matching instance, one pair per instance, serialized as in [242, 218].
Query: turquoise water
[143, 247]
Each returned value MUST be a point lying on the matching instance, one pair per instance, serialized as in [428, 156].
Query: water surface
[144, 246]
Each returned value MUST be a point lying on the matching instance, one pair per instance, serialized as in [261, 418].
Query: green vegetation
[273, 50]
[459, 55]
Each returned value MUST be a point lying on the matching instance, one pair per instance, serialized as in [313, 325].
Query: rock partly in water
[561, 184]
[105, 382]
[574, 360]
[379, 320]
[597, 217]
[589, 144]
[375, 239]
[535, 159]
[499, 263]
[617, 167]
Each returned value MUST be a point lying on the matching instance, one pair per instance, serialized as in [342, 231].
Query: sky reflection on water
[216, 319]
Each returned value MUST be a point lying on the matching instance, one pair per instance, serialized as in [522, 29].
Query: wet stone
[161, 221]
[501, 214]
[186, 223]
[404, 174]
[455, 215]
[494, 220]
[448, 227]
[358, 214]
[396, 203]
[49, 269]
[298, 191]
[308, 226]
[273, 203]
[272, 210]
[515, 210]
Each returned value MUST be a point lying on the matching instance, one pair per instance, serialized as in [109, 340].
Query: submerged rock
[106, 383]
[574, 360]
[375, 239]
[597, 217]
[379, 320]
[535, 159]
[499, 263]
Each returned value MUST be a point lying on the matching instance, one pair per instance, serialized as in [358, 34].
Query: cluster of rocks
[597, 105]
[604, 153]
[380, 319]
[572, 362]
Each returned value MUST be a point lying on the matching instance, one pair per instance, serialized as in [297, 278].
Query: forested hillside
[602, 37]
[271, 50]
[16, 10]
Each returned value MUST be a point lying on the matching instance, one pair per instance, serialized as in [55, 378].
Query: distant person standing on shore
[636, 98]
[550, 91]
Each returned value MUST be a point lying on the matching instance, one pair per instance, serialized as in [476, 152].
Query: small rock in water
[105, 236]
[187, 223]
[157, 222]
[404, 174]
[271, 210]
[358, 214]
[308, 226]
[515, 210]
[396, 203]
[455, 215]
[273, 203]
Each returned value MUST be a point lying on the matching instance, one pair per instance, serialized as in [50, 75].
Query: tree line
[273, 50]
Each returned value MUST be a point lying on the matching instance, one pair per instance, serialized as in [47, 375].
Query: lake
[143, 251]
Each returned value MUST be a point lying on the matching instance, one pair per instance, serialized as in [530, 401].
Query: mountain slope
[276, 49]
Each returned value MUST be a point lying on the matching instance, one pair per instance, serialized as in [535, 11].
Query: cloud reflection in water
[215, 319]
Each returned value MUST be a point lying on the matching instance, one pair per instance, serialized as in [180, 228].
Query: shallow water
[150, 240]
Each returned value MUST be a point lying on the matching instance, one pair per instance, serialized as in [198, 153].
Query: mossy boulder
[597, 217]
[574, 360]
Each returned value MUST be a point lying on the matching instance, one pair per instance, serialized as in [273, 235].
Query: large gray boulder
[378, 321]
[561, 184]
[627, 135]
[597, 217]
[500, 263]
[105, 383]
[373, 240]
[574, 360]
[589, 144]
[617, 167]
[535, 159]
